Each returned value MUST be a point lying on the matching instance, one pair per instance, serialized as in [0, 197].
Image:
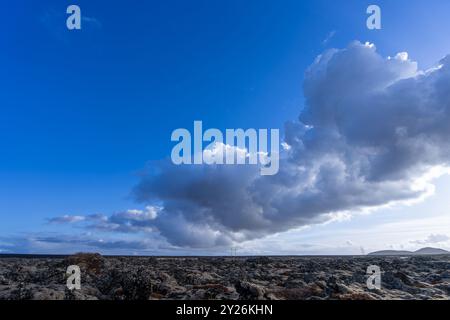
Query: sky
[86, 118]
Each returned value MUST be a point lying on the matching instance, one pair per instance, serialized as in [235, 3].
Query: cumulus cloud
[374, 131]
[433, 238]
[66, 219]
[129, 221]
[95, 243]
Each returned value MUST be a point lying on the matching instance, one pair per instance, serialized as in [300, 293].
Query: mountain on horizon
[422, 251]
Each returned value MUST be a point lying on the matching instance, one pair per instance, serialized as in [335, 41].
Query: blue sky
[83, 112]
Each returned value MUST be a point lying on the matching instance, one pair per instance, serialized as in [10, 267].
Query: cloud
[91, 20]
[433, 238]
[374, 132]
[329, 36]
[129, 221]
[349, 243]
[95, 243]
[66, 219]
[54, 22]
[55, 243]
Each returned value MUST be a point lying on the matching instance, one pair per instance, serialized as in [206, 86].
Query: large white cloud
[371, 132]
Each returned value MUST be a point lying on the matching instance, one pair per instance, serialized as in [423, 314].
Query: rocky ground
[415, 277]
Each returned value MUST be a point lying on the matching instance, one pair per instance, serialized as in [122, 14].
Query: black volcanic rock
[418, 276]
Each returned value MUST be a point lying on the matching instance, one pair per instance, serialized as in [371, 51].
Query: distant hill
[423, 251]
[391, 253]
[429, 250]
